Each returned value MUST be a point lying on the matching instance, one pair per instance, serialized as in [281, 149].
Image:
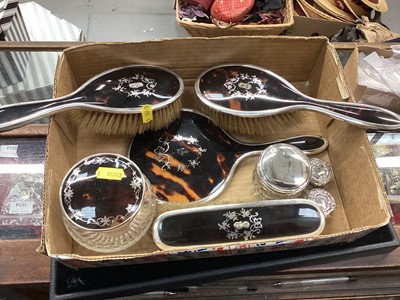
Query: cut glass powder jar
[107, 203]
[282, 172]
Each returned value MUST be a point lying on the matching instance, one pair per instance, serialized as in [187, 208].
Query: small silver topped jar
[324, 199]
[283, 171]
[321, 172]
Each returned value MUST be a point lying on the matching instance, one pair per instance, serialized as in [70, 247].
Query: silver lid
[284, 168]
[324, 199]
[321, 172]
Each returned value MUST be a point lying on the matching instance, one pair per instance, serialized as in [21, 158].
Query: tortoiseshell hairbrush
[248, 99]
[110, 102]
[193, 160]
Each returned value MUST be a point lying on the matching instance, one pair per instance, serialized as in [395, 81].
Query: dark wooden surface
[27, 131]
[20, 263]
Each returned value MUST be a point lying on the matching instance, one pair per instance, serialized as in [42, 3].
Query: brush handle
[16, 115]
[309, 144]
[361, 115]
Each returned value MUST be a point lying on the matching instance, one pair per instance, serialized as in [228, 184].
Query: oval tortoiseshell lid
[243, 90]
[132, 87]
[102, 191]
[238, 223]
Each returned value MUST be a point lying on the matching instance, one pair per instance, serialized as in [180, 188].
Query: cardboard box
[385, 146]
[311, 64]
[305, 26]
[369, 95]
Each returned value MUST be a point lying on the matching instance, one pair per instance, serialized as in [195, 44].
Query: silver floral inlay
[136, 86]
[245, 82]
[241, 224]
[68, 192]
[163, 149]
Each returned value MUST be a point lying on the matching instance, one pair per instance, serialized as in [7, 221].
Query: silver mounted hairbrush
[111, 102]
[252, 100]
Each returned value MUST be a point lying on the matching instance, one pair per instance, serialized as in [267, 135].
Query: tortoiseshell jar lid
[283, 168]
[102, 191]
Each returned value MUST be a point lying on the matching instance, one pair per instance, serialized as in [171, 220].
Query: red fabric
[231, 10]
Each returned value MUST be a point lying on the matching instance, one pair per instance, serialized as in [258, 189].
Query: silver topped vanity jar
[107, 203]
[321, 172]
[283, 171]
[324, 199]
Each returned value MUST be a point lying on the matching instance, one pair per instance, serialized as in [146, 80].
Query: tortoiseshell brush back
[233, 224]
[248, 99]
[193, 160]
[109, 103]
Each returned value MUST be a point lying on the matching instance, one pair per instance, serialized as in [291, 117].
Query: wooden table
[24, 273]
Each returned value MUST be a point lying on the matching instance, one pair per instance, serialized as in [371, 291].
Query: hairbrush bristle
[254, 126]
[125, 124]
